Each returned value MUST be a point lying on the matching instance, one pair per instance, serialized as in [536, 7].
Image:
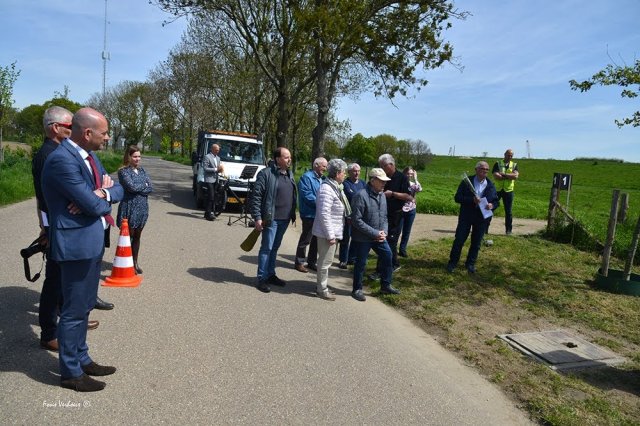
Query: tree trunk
[322, 101]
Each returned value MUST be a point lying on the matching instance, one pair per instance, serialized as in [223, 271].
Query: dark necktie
[98, 184]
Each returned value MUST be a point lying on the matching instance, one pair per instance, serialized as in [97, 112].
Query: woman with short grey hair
[336, 166]
[331, 208]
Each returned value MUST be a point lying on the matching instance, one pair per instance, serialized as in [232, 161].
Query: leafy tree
[361, 150]
[8, 77]
[267, 32]
[615, 75]
[386, 40]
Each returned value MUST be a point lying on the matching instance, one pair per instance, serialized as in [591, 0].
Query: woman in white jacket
[331, 209]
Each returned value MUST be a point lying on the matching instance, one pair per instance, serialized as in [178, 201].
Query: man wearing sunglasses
[470, 195]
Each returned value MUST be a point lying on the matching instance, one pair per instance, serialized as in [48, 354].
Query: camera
[37, 246]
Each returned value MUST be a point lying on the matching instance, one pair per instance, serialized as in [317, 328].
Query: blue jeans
[407, 224]
[385, 267]
[271, 240]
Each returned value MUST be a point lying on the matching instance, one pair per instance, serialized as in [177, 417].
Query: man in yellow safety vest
[506, 172]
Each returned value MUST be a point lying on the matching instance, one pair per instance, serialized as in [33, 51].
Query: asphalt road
[197, 343]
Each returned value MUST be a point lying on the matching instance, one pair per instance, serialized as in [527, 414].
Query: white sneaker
[488, 243]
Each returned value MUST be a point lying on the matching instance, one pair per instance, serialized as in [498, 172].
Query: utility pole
[105, 55]
[528, 149]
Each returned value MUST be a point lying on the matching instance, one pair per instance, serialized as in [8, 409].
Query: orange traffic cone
[123, 274]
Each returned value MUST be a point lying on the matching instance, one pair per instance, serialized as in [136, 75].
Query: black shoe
[83, 383]
[94, 369]
[273, 279]
[471, 269]
[402, 253]
[396, 267]
[374, 276]
[389, 290]
[450, 267]
[137, 268]
[358, 295]
[263, 287]
[342, 265]
[312, 266]
[101, 304]
[351, 262]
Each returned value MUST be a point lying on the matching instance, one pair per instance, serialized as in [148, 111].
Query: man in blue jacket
[369, 230]
[79, 192]
[308, 186]
[471, 195]
[273, 206]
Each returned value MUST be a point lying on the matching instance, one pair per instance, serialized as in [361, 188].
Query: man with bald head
[79, 192]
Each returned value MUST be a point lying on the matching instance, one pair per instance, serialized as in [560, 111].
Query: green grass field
[589, 200]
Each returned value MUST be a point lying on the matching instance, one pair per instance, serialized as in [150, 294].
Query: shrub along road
[197, 343]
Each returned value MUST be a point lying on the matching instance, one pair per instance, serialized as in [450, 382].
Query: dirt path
[433, 227]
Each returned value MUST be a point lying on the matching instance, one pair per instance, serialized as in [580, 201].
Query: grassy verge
[528, 284]
[16, 180]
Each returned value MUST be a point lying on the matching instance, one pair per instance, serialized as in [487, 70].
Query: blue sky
[518, 57]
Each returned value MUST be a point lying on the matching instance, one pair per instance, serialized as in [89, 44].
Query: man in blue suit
[79, 192]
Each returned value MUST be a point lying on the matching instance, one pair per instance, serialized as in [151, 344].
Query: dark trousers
[50, 301]
[80, 280]
[211, 199]
[477, 227]
[347, 253]
[507, 202]
[383, 251]
[307, 239]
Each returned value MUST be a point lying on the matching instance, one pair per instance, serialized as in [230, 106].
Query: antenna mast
[105, 55]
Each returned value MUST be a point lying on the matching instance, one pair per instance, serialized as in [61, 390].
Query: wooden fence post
[632, 252]
[611, 233]
[552, 208]
[624, 207]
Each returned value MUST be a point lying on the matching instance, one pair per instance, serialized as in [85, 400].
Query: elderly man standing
[212, 167]
[272, 206]
[506, 172]
[79, 192]
[397, 192]
[369, 231]
[308, 186]
[352, 185]
[473, 195]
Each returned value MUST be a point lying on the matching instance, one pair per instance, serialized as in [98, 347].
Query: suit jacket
[469, 211]
[67, 179]
[210, 164]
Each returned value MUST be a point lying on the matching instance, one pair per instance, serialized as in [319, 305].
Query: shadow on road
[20, 350]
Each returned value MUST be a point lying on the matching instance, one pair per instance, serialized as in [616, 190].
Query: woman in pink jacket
[331, 209]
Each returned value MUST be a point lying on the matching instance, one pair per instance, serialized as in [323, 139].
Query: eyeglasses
[65, 125]
[486, 170]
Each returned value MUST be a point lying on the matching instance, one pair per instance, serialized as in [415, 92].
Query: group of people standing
[334, 209]
[74, 196]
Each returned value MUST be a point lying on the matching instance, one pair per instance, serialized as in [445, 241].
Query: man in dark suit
[79, 192]
[475, 194]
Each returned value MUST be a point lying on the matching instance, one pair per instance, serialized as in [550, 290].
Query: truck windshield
[238, 152]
